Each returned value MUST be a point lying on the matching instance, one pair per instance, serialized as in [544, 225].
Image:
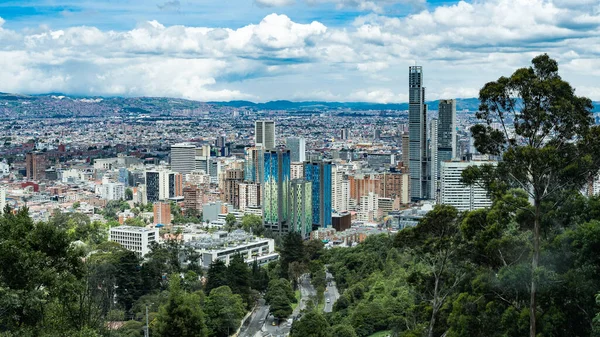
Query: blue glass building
[276, 190]
[319, 174]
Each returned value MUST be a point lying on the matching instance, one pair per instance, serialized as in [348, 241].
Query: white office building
[453, 192]
[112, 191]
[135, 239]
[183, 158]
[296, 170]
[223, 246]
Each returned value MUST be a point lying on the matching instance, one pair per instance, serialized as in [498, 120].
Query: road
[331, 293]
[257, 329]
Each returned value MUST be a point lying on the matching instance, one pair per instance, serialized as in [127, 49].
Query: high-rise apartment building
[254, 164]
[297, 170]
[453, 192]
[446, 132]
[276, 190]
[301, 218]
[362, 184]
[231, 191]
[433, 157]
[405, 150]
[249, 195]
[182, 158]
[112, 191]
[264, 134]
[344, 134]
[394, 184]
[297, 147]
[319, 173]
[35, 165]
[162, 213]
[193, 197]
[417, 129]
[163, 184]
[338, 202]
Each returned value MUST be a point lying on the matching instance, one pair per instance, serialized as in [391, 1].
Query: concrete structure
[112, 191]
[276, 190]
[162, 213]
[341, 221]
[446, 132]
[223, 246]
[230, 192]
[182, 158]
[4, 168]
[369, 207]
[193, 197]
[135, 239]
[405, 150]
[35, 165]
[319, 173]
[297, 170]
[433, 157]
[417, 128]
[250, 196]
[163, 184]
[297, 147]
[394, 184]
[264, 134]
[211, 211]
[453, 192]
[301, 208]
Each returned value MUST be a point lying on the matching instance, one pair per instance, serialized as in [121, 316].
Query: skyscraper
[417, 119]
[319, 173]
[253, 165]
[276, 194]
[433, 157]
[231, 191]
[301, 207]
[182, 158]
[264, 134]
[35, 164]
[446, 132]
[297, 147]
[153, 186]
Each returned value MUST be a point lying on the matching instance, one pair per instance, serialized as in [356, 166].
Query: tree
[224, 310]
[312, 324]
[76, 205]
[238, 278]
[343, 330]
[216, 275]
[253, 223]
[182, 315]
[292, 250]
[230, 222]
[296, 269]
[128, 194]
[37, 262]
[546, 140]
[280, 297]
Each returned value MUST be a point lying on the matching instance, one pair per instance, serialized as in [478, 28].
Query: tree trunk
[534, 266]
[434, 308]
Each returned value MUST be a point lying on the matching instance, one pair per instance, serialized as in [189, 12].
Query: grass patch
[381, 333]
[298, 296]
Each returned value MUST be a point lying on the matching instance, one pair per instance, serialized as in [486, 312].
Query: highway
[262, 325]
[331, 293]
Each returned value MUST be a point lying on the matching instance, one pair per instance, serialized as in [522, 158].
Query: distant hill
[61, 105]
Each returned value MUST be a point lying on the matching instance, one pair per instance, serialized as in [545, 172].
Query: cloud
[461, 46]
[173, 5]
[273, 3]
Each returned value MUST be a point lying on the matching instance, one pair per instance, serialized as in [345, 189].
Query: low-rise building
[223, 246]
[135, 239]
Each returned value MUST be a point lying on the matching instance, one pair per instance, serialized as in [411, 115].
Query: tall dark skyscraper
[446, 132]
[319, 174]
[417, 133]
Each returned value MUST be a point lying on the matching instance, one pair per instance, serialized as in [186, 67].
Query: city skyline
[331, 50]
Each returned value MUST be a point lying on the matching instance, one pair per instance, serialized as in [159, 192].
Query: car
[328, 300]
[273, 324]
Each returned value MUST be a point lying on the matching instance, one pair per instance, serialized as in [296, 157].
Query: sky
[261, 50]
